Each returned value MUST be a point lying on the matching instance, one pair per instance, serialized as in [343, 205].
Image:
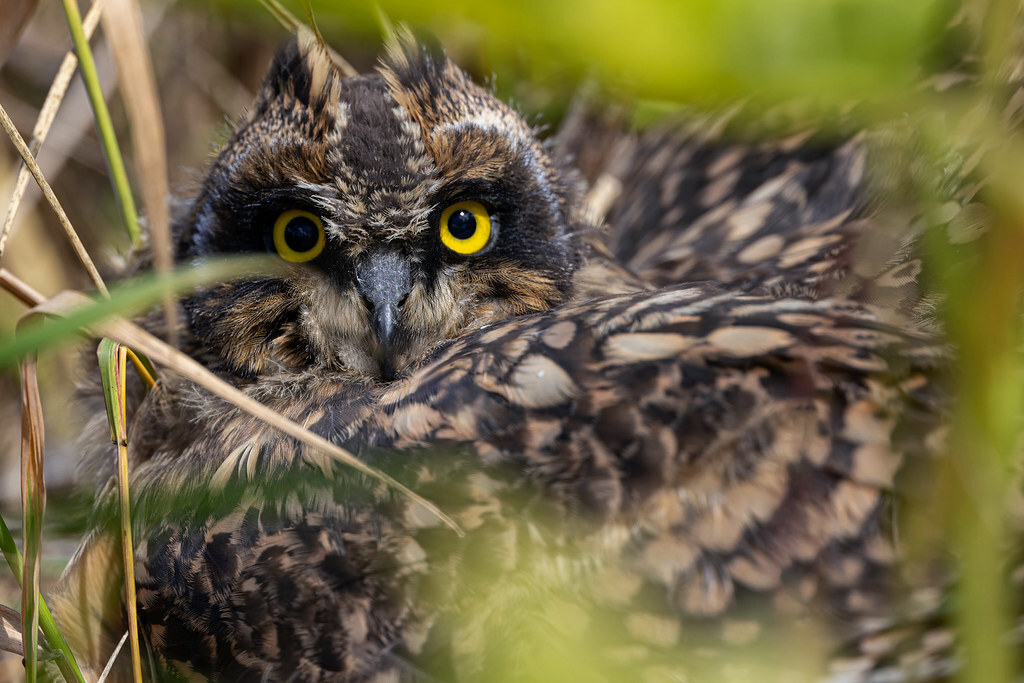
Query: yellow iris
[298, 235]
[466, 227]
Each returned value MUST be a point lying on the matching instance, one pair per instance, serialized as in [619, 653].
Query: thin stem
[113, 360]
[66, 662]
[47, 115]
[118, 175]
[20, 289]
[62, 217]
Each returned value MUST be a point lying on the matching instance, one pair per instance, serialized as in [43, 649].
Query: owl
[643, 374]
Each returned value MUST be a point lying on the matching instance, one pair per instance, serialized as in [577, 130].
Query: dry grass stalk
[113, 658]
[10, 631]
[292, 23]
[47, 114]
[33, 500]
[19, 289]
[33, 167]
[123, 28]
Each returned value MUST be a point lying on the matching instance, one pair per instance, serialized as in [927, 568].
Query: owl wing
[702, 198]
[649, 460]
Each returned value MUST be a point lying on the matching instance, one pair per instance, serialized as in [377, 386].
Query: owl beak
[383, 279]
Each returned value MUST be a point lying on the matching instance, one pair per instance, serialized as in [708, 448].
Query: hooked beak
[383, 280]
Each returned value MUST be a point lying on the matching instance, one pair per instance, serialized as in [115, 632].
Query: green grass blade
[982, 314]
[128, 298]
[118, 175]
[10, 550]
[113, 364]
[66, 661]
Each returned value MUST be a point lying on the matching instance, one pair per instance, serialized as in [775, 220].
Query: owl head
[406, 206]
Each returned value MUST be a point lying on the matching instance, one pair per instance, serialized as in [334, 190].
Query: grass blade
[51, 198]
[982, 320]
[47, 115]
[129, 297]
[113, 363]
[33, 501]
[66, 661]
[291, 22]
[118, 175]
[10, 550]
[113, 658]
[122, 24]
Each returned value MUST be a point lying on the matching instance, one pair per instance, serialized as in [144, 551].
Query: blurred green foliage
[128, 298]
[703, 50]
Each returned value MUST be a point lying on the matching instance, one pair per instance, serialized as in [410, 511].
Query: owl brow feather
[436, 93]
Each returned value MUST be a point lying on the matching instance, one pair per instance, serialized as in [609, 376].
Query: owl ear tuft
[303, 70]
[408, 61]
[435, 92]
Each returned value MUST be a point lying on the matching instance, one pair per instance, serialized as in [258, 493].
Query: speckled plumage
[683, 426]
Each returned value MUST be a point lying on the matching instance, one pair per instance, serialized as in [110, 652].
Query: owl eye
[466, 227]
[298, 235]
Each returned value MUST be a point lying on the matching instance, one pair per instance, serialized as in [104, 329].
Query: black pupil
[462, 224]
[301, 234]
